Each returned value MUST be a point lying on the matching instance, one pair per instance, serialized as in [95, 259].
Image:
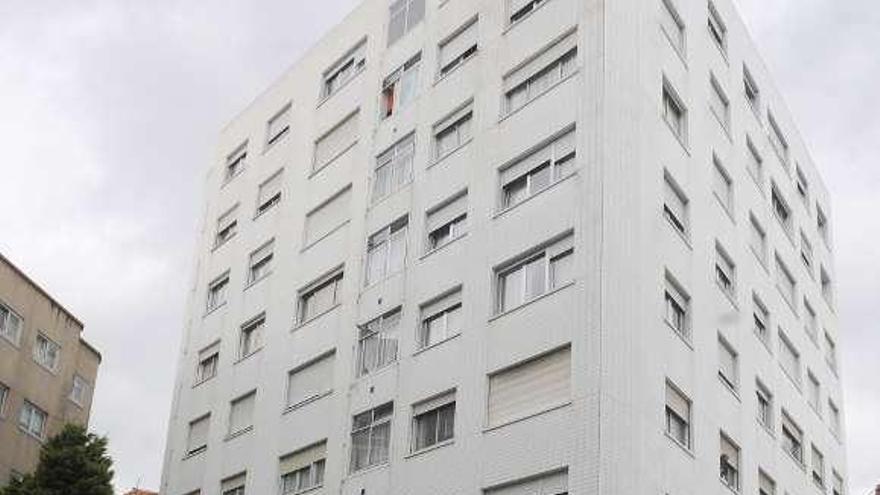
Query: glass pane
[381, 437]
[539, 178]
[561, 269]
[512, 288]
[536, 283]
[360, 449]
[426, 430]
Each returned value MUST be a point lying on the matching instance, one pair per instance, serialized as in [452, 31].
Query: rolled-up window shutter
[232, 483]
[198, 433]
[431, 404]
[311, 380]
[555, 483]
[678, 403]
[540, 61]
[447, 212]
[530, 387]
[326, 217]
[458, 44]
[441, 304]
[303, 458]
[332, 143]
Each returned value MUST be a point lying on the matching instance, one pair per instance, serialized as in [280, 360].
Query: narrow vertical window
[227, 226]
[722, 185]
[781, 210]
[371, 437]
[785, 282]
[675, 205]
[672, 25]
[386, 251]
[378, 342]
[235, 162]
[719, 103]
[260, 262]
[754, 162]
[751, 90]
[766, 485]
[674, 112]
[401, 87]
[47, 352]
[209, 361]
[241, 413]
[440, 319]
[814, 392]
[830, 352]
[822, 224]
[250, 338]
[404, 15]
[197, 438]
[10, 324]
[677, 308]
[761, 319]
[269, 193]
[789, 359]
[811, 322]
[777, 140]
[803, 187]
[728, 364]
[278, 126]
[765, 405]
[827, 288]
[678, 416]
[818, 468]
[218, 290]
[446, 222]
[725, 272]
[807, 253]
[717, 29]
[758, 239]
[730, 463]
[393, 168]
[456, 49]
[792, 438]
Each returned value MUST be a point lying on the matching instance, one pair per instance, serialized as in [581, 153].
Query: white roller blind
[677, 402]
[730, 450]
[555, 149]
[540, 61]
[209, 351]
[198, 433]
[530, 387]
[446, 213]
[441, 304]
[233, 482]
[269, 188]
[727, 361]
[788, 357]
[458, 44]
[303, 458]
[310, 381]
[328, 216]
[242, 412]
[334, 142]
[434, 403]
[516, 5]
[547, 484]
[674, 202]
[766, 484]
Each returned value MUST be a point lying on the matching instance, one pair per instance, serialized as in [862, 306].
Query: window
[822, 224]
[785, 282]
[433, 421]
[47, 353]
[260, 262]
[217, 292]
[754, 162]
[728, 364]
[825, 281]
[386, 251]
[678, 416]
[811, 325]
[404, 15]
[328, 216]
[453, 131]
[339, 139]
[765, 405]
[197, 438]
[310, 381]
[672, 25]
[781, 210]
[675, 205]
[541, 72]
[269, 193]
[830, 352]
[401, 87]
[303, 470]
[761, 318]
[371, 437]
[251, 337]
[519, 9]
[377, 342]
[32, 419]
[79, 391]
[722, 185]
[278, 126]
[530, 174]
[789, 359]
[241, 413]
[235, 162]
[837, 484]
[555, 483]
[234, 485]
[4, 397]
[344, 70]
[530, 387]
[730, 467]
[753, 94]
[227, 226]
[725, 272]
[818, 468]
[393, 168]
[757, 239]
[10, 324]
[535, 273]
[674, 112]
[766, 485]
[803, 187]
[446, 222]
[807, 252]
[457, 48]
[719, 103]
[777, 140]
[677, 303]
[717, 29]
[209, 361]
[814, 392]
[440, 319]
[834, 418]
[320, 296]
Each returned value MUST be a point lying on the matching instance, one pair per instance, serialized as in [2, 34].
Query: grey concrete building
[47, 370]
[514, 246]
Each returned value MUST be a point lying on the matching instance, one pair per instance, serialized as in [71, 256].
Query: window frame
[381, 241]
[336, 277]
[462, 58]
[671, 100]
[671, 415]
[546, 253]
[675, 292]
[355, 58]
[672, 11]
[250, 336]
[26, 425]
[391, 103]
[261, 262]
[730, 468]
[273, 138]
[4, 325]
[42, 350]
[404, 9]
[265, 205]
[717, 29]
[399, 159]
[433, 310]
[235, 162]
[555, 165]
[370, 427]
[434, 406]
[221, 282]
[381, 332]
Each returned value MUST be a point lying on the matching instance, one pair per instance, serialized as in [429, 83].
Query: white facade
[482, 246]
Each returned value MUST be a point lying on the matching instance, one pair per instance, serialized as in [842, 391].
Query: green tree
[73, 462]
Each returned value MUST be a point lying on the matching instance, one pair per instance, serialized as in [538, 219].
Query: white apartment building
[492, 247]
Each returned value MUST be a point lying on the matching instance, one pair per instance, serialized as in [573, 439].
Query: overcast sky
[109, 112]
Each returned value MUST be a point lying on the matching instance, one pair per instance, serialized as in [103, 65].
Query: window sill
[504, 211]
[317, 169]
[228, 179]
[684, 338]
[305, 402]
[435, 344]
[448, 154]
[316, 317]
[214, 309]
[367, 469]
[260, 213]
[684, 448]
[507, 115]
[238, 433]
[256, 281]
[220, 245]
[245, 358]
[442, 246]
[328, 234]
[10, 341]
[273, 142]
[28, 433]
[194, 453]
[46, 368]
[76, 404]
[519, 21]
[529, 416]
[431, 448]
[373, 283]
[378, 371]
[532, 301]
[730, 488]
